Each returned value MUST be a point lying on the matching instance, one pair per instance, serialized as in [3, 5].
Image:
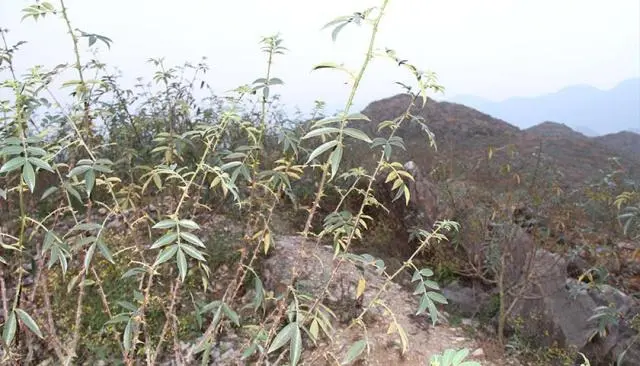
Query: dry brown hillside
[464, 136]
[625, 142]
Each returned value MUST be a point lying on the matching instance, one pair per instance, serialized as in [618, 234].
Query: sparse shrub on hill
[110, 246]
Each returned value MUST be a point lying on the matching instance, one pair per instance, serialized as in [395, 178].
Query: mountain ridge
[593, 111]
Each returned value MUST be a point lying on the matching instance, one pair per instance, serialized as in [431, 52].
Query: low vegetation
[135, 223]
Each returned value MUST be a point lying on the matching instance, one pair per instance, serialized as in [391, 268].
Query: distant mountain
[584, 108]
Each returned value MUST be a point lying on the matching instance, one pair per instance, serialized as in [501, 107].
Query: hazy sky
[493, 48]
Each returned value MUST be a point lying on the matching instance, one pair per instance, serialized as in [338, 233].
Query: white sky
[493, 48]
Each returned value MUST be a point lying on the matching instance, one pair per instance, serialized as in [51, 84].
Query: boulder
[465, 301]
[544, 308]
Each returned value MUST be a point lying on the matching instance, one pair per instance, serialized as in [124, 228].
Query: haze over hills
[584, 108]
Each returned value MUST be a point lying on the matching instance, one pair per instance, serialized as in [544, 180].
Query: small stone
[478, 353]
[102, 211]
[468, 322]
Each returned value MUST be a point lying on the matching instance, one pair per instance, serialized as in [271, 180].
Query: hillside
[584, 108]
[465, 134]
[625, 142]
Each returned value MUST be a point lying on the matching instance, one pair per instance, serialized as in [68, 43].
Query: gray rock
[547, 311]
[465, 301]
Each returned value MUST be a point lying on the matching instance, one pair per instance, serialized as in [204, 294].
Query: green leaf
[166, 239]
[192, 238]
[321, 131]
[12, 150]
[9, 328]
[105, 251]
[127, 305]
[89, 255]
[193, 252]
[189, 224]
[165, 224]
[13, 164]
[48, 192]
[295, 350]
[282, 337]
[166, 254]
[334, 160]
[321, 149]
[459, 356]
[358, 116]
[355, 351]
[357, 134]
[231, 164]
[29, 175]
[128, 334]
[78, 170]
[426, 272]
[72, 191]
[86, 227]
[41, 164]
[33, 150]
[437, 297]
[120, 318]
[90, 180]
[133, 272]
[181, 260]
[29, 322]
[232, 315]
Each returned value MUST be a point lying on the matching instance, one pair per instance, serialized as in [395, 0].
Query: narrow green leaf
[193, 252]
[232, 315]
[189, 224]
[105, 251]
[120, 318]
[165, 224]
[321, 149]
[166, 254]
[41, 164]
[295, 350]
[355, 351]
[181, 260]
[459, 356]
[13, 164]
[282, 337]
[78, 170]
[437, 297]
[48, 192]
[334, 159]
[33, 150]
[90, 180]
[29, 322]
[357, 134]
[128, 334]
[9, 328]
[166, 239]
[29, 175]
[192, 238]
[86, 227]
[11, 150]
[89, 256]
[321, 131]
